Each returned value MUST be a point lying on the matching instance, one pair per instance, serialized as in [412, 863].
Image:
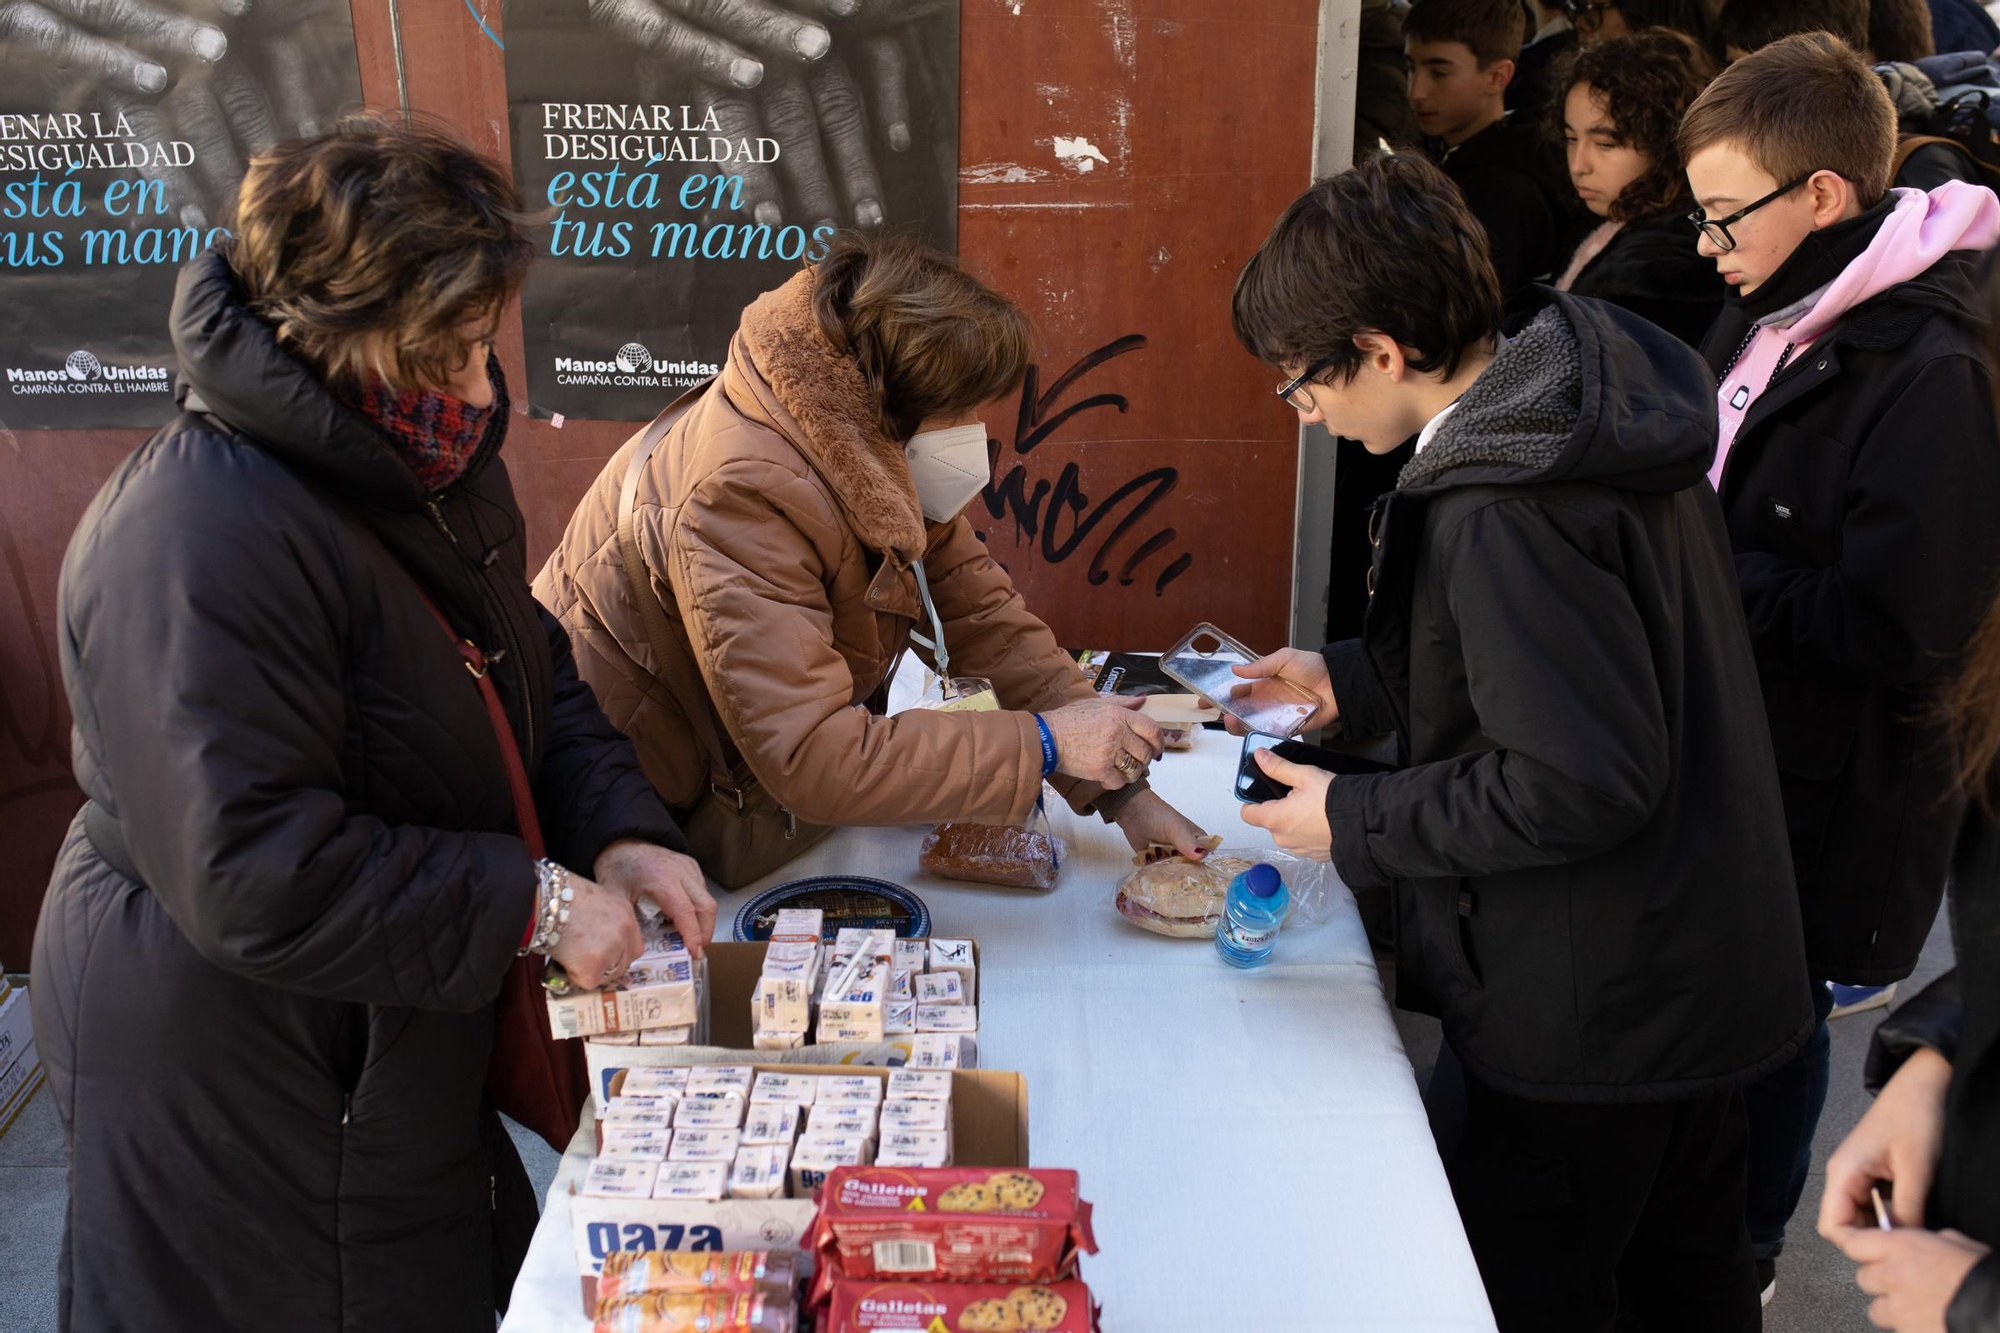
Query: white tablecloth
[1253, 1141]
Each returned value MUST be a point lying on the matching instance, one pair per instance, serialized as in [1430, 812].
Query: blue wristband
[1048, 746]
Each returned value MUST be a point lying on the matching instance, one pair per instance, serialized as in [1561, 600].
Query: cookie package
[950, 1224]
[1004, 854]
[657, 1272]
[879, 1307]
[707, 1312]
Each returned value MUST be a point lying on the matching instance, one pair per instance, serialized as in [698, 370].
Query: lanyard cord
[936, 645]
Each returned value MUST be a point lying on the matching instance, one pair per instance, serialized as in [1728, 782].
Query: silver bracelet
[553, 896]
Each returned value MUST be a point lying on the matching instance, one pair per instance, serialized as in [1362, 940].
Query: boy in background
[1462, 56]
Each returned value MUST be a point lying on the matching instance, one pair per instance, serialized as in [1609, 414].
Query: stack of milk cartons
[781, 1003]
[656, 1003]
[714, 1132]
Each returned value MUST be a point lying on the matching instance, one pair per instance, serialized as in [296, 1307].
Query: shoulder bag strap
[670, 650]
[526, 823]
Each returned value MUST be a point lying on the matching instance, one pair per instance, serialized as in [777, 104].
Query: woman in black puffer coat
[266, 971]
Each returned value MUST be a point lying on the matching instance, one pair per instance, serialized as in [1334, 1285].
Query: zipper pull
[346, 1107]
[437, 517]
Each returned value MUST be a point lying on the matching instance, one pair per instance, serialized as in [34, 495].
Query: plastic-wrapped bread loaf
[1005, 854]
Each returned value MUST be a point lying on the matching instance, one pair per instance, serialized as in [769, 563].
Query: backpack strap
[1907, 146]
[671, 654]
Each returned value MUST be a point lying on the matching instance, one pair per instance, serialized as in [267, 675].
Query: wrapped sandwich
[1171, 895]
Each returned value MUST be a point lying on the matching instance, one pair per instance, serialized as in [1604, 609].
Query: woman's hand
[602, 937]
[1105, 740]
[675, 882]
[1299, 667]
[1897, 1141]
[1912, 1274]
[1146, 820]
[1298, 822]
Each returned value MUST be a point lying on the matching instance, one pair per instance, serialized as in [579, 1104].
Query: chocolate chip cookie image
[988, 1317]
[1037, 1308]
[971, 1197]
[1015, 1192]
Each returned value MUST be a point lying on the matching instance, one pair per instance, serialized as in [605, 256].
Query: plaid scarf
[436, 434]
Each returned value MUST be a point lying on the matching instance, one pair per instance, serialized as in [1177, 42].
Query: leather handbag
[531, 1076]
[736, 829]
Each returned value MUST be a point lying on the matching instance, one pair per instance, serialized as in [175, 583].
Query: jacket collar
[782, 368]
[1819, 259]
[233, 368]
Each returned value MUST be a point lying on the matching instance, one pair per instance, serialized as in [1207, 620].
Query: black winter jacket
[1860, 495]
[1515, 183]
[1586, 840]
[269, 1049]
[1959, 1017]
[1652, 269]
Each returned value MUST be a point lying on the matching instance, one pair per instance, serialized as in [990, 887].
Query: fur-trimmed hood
[831, 416]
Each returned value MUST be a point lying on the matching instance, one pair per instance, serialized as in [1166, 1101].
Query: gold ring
[1127, 765]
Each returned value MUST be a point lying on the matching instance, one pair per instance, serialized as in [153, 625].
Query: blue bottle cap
[1263, 880]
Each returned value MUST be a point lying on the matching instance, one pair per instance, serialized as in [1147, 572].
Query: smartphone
[1204, 661]
[1254, 785]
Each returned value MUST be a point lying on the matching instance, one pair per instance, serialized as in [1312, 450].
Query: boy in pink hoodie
[1859, 473]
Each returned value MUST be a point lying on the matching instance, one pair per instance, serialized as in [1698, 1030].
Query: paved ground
[1816, 1292]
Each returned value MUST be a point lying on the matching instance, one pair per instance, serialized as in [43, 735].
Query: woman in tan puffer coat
[788, 523]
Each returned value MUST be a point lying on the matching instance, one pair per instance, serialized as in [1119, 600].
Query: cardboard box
[18, 1085]
[732, 973]
[989, 1128]
[17, 1028]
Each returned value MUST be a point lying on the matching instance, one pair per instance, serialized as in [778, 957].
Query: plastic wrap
[712, 1312]
[1170, 895]
[657, 1272]
[1004, 854]
[1177, 897]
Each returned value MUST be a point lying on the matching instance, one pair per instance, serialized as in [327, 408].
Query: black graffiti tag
[1040, 509]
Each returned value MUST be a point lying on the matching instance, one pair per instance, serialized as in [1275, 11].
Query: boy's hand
[1912, 1274]
[1897, 1141]
[1303, 669]
[1298, 822]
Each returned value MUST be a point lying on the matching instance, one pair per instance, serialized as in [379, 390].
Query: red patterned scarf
[436, 434]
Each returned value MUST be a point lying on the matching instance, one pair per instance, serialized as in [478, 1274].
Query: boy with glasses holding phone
[1583, 834]
[1859, 474]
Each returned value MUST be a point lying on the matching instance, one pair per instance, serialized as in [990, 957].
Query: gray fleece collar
[1520, 412]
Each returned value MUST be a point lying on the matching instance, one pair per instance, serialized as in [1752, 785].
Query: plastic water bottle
[1247, 931]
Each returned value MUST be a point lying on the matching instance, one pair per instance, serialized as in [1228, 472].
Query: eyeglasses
[1293, 392]
[1717, 230]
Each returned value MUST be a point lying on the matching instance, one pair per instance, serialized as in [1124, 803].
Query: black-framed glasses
[1291, 390]
[1717, 229]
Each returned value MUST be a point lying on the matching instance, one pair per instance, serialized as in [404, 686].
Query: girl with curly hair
[1618, 105]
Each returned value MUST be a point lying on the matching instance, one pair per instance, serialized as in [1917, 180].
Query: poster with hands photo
[685, 155]
[125, 128]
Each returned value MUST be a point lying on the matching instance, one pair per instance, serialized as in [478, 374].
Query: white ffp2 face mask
[950, 468]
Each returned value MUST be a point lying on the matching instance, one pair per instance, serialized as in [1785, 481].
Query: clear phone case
[1202, 661]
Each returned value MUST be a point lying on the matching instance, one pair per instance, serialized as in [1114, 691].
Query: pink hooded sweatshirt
[1921, 229]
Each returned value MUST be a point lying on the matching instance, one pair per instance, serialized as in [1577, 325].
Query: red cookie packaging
[878, 1307]
[951, 1224]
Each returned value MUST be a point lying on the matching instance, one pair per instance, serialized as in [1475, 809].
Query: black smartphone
[1254, 785]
